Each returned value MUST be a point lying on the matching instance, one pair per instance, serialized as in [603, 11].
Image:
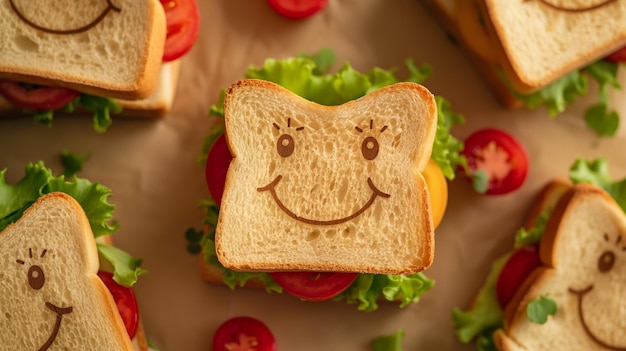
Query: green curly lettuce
[101, 107]
[306, 75]
[556, 96]
[596, 172]
[39, 180]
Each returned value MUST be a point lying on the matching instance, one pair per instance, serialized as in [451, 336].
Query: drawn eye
[285, 145]
[369, 148]
[606, 261]
[36, 278]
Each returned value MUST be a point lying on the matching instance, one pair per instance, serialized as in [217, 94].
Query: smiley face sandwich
[343, 189]
[104, 56]
[543, 52]
[562, 287]
[63, 284]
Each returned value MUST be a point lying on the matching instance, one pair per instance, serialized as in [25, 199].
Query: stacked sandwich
[340, 201]
[63, 284]
[543, 52]
[117, 55]
[561, 287]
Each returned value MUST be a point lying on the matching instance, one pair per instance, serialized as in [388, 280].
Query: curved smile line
[580, 294]
[60, 311]
[574, 9]
[110, 7]
[271, 188]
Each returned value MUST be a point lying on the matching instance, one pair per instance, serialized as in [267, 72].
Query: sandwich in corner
[327, 186]
[562, 287]
[543, 52]
[63, 284]
[106, 56]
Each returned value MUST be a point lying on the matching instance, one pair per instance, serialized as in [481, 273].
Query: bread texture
[582, 252]
[51, 295]
[543, 40]
[327, 188]
[108, 48]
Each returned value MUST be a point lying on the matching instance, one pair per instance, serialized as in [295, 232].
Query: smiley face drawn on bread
[584, 264]
[82, 27]
[51, 297]
[581, 8]
[316, 187]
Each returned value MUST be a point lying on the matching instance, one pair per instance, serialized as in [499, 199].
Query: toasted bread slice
[51, 295]
[582, 251]
[543, 40]
[108, 48]
[327, 188]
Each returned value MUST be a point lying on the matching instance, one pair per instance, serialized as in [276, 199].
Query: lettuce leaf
[100, 106]
[306, 75]
[596, 172]
[599, 117]
[93, 198]
[391, 342]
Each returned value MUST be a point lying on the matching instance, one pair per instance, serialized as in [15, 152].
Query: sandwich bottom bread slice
[562, 287]
[305, 76]
[63, 284]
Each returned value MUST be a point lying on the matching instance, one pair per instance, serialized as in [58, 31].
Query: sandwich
[63, 284]
[107, 57]
[561, 287]
[542, 53]
[327, 114]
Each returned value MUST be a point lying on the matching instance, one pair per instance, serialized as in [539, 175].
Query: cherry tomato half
[183, 25]
[216, 167]
[297, 9]
[500, 156]
[243, 334]
[438, 189]
[618, 56]
[314, 286]
[125, 300]
[515, 270]
[41, 98]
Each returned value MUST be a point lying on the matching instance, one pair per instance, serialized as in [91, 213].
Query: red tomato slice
[216, 167]
[500, 156]
[314, 286]
[42, 98]
[243, 334]
[516, 269]
[297, 9]
[126, 302]
[618, 56]
[183, 25]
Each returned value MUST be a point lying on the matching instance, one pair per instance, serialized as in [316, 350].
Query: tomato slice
[216, 167]
[40, 98]
[618, 56]
[183, 25]
[314, 286]
[243, 334]
[500, 156]
[125, 300]
[297, 9]
[516, 269]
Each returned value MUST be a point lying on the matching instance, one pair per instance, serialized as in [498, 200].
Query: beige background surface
[157, 184]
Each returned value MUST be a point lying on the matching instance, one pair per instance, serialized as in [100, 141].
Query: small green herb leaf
[540, 308]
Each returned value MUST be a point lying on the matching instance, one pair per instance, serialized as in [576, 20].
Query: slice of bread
[582, 252]
[327, 188]
[51, 295]
[545, 39]
[108, 48]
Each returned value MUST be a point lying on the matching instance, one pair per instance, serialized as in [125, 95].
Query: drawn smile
[110, 7]
[576, 9]
[60, 311]
[271, 188]
[581, 315]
